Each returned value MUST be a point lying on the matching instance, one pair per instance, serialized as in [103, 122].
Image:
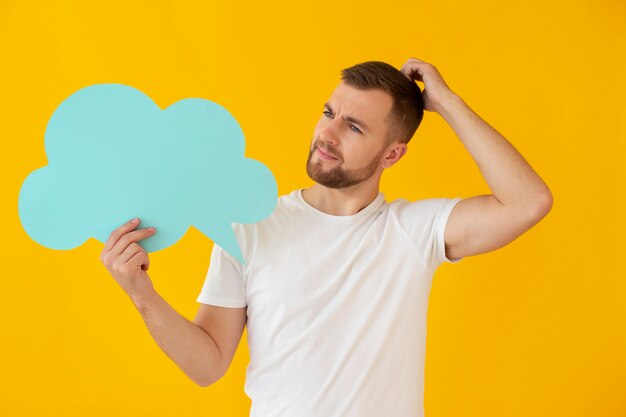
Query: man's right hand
[126, 260]
[191, 347]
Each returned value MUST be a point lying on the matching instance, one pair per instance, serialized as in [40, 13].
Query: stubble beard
[338, 177]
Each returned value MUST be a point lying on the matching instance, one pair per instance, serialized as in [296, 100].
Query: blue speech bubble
[113, 154]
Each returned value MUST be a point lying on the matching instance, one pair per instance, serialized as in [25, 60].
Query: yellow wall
[534, 329]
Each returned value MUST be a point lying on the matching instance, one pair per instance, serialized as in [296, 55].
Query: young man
[336, 283]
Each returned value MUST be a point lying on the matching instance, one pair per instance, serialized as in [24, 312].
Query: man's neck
[341, 201]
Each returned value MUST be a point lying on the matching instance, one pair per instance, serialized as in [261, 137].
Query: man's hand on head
[435, 88]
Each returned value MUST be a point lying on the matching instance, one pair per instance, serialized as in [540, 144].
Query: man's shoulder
[285, 204]
[425, 209]
[419, 204]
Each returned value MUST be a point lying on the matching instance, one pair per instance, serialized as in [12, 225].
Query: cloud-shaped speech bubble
[113, 154]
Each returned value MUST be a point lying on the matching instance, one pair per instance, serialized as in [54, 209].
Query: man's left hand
[435, 88]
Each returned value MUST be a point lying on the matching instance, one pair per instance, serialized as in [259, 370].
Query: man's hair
[407, 109]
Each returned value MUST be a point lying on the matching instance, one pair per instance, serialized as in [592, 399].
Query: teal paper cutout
[113, 154]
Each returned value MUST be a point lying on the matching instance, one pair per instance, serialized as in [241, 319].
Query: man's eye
[352, 127]
[356, 129]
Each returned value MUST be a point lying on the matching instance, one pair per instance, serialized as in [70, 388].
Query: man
[335, 287]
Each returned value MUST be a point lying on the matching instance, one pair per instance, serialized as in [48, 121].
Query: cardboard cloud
[113, 154]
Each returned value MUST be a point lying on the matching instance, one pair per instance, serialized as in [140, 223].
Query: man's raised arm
[520, 197]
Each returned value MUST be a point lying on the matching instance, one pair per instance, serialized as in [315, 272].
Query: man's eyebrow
[348, 118]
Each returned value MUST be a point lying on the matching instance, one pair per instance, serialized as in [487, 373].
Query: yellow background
[537, 328]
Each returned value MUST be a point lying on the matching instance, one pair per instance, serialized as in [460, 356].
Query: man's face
[350, 138]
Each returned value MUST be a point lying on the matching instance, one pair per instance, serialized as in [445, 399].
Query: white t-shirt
[336, 305]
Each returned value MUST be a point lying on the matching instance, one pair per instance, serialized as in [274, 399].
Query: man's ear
[394, 153]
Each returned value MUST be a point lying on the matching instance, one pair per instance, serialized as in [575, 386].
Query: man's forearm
[511, 179]
[187, 344]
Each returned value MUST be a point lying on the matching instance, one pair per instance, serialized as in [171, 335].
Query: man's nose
[329, 133]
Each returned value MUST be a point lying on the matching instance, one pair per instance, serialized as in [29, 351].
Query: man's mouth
[325, 155]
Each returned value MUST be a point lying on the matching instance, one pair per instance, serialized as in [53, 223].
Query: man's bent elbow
[205, 382]
[545, 205]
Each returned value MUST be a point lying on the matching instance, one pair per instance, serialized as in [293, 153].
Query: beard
[338, 177]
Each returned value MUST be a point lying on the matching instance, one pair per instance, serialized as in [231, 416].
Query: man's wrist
[449, 104]
[143, 299]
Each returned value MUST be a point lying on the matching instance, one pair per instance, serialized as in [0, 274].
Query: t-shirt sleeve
[225, 284]
[425, 223]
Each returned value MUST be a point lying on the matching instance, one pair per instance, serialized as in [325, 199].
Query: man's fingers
[119, 232]
[129, 238]
[410, 61]
[406, 74]
[411, 69]
[140, 259]
[412, 72]
[415, 75]
[128, 253]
